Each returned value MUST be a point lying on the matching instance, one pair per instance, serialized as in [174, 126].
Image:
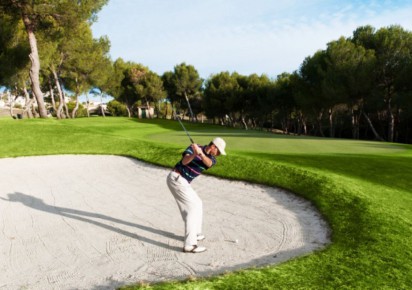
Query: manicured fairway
[363, 189]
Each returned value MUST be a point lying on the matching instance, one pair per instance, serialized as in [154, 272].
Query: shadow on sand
[85, 216]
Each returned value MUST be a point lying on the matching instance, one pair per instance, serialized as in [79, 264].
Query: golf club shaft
[187, 133]
[181, 124]
[190, 107]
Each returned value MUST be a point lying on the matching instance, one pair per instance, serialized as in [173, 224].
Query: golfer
[194, 160]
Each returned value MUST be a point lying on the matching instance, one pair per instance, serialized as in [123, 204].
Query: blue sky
[259, 36]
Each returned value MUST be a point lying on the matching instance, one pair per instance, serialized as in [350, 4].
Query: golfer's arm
[189, 157]
[206, 160]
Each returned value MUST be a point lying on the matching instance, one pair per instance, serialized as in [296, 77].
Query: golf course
[362, 189]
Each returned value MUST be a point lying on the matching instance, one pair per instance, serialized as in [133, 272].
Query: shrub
[117, 109]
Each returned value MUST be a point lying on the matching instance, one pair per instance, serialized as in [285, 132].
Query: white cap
[220, 144]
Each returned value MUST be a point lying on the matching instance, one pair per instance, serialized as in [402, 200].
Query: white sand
[99, 222]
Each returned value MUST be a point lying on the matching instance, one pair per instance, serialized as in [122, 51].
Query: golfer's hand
[196, 149]
[189, 157]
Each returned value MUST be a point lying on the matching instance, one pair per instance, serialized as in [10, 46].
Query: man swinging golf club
[194, 160]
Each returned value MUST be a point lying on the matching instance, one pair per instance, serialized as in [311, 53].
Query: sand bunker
[99, 222]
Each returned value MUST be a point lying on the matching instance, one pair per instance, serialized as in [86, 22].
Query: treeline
[358, 87]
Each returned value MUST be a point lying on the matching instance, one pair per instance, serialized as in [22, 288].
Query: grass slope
[363, 189]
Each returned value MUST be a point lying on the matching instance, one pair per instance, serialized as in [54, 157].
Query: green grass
[363, 189]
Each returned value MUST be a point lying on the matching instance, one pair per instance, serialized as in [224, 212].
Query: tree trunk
[331, 128]
[29, 103]
[298, 125]
[285, 126]
[128, 111]
[59, 90]
[76, 107]
[35, 67]
[11, 103]
[355, 124]
[101, 105]
[303, 123]
[391, 125]
[148, 109]
[52, 96]
[66, 109]
[29, 109]
[254, 125]
[305, 127]
[158, 110]
[231, 120]
[319, 121]
[243, 122]
[377, 137]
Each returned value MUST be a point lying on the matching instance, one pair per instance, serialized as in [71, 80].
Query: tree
[219, 90]
[188, 83]
[253, 96]
[283, 100]
[169, 86]
[304, 114]
[36, 15]
[349, 77]
[310, 81]
[127, 94]
[101, 74]
[393, 47]
[12, 49]
[117, 74]
[116, 86]
[14, 65]
[133, 84]
[238, 101]
[153, 89]
[85, 64]
[55, 44]
[139, 83]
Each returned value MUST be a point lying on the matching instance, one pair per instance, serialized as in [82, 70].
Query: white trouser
[190, 206]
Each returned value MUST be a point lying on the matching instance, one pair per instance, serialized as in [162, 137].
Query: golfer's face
[214, 151]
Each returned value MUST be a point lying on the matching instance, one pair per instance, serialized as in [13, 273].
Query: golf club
[187, 133]
[190, 108]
